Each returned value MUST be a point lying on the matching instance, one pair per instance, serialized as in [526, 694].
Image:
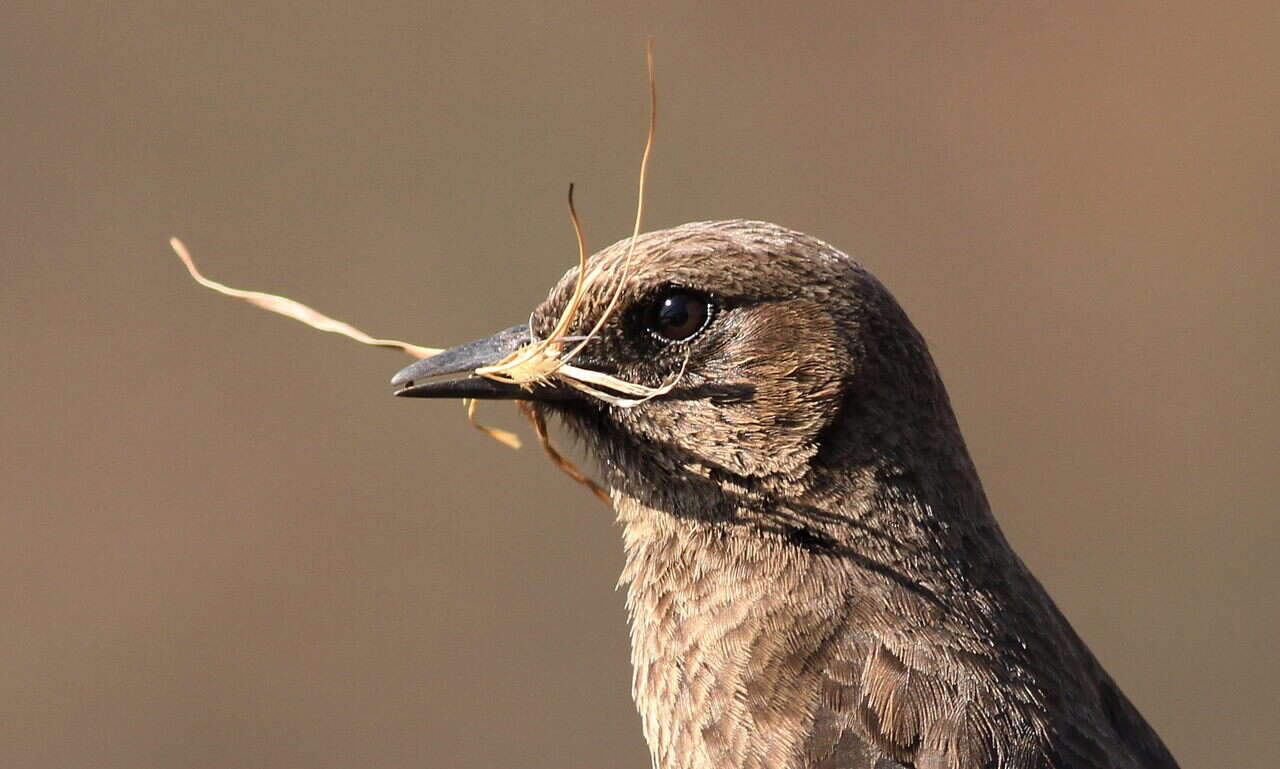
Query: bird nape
[814, 575]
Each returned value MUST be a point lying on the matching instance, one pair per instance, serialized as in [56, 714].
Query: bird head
[755, 344]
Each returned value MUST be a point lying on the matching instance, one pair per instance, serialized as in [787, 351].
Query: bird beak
[450, 374]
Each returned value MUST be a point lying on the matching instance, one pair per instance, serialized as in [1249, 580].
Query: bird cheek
[791, 356]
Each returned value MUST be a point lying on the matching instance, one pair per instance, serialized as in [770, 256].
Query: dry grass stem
[539, 360]
[504, 437]
[296, 310]
[539, 422]
[635, 231]
[301, 312]
[544, 359]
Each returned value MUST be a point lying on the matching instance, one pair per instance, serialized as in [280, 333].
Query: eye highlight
[677, 314]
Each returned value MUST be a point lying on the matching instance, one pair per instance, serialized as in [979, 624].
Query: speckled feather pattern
[813, 574]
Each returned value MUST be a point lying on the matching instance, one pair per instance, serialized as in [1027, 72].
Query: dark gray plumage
[814, 576]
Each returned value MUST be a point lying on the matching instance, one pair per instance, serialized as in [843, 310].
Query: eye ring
[678, 314]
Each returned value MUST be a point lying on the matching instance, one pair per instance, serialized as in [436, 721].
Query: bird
[814, 577]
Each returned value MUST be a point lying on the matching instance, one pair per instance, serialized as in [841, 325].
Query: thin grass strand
[505, 437]
[585, 381]
[539, 422]
[536, 362]
[635, 231]
[296, 310]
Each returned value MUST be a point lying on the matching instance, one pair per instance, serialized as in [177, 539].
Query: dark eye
[678, 314]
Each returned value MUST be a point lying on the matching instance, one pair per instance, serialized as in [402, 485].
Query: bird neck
[733, 609]
[720, 660]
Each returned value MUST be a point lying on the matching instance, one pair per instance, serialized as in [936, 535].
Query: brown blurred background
[224, 544]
